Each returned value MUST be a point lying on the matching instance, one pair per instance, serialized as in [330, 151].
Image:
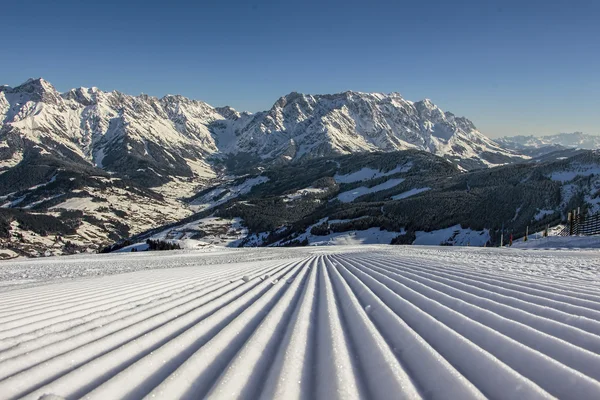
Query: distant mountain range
[150, 139]
[95, 167]
[530, 144]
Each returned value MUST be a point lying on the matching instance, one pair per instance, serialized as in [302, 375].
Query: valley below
[88, 171]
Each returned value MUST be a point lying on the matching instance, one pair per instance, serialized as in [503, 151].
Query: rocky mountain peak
[37, 89]
[175, 134]
[84, 96]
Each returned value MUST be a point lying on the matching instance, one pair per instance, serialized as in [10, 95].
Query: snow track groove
[382, 323]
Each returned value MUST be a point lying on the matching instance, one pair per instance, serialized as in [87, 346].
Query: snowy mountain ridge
[153, 139]
[300, 125]
[113, 131]
[86, 168]
[570, 140]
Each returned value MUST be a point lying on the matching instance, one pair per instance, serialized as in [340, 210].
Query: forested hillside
[398, 197]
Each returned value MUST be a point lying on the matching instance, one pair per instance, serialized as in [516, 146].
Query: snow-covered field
[317, 322]
[455, 235]
[351, 195]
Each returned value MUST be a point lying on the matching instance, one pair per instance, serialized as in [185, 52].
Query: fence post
[580, 224]
[570, 222]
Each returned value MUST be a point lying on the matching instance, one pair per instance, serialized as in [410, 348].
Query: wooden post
[570, 222]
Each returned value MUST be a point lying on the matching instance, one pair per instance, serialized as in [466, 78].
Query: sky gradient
[512, 67]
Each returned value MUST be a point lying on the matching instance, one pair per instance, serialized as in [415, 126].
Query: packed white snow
[203, 233]
[78, 203]
[409, 193]
[344, 322]
[298, 194]
[367, 173]
[351, 195]
[454, 235]
[367, 236]
[351, 237]
[223, 194]
[542, 213]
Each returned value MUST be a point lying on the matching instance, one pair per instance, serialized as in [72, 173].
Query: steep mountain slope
[89, 158]
[307, 126]
[54, 207]
[155, 141]
[142, 138]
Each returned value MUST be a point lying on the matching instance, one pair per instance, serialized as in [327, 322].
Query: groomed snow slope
[356, 322]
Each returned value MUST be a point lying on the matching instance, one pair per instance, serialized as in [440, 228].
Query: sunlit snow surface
[315, 323]
[351, 195]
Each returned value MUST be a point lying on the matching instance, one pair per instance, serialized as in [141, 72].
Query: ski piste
[339, 322]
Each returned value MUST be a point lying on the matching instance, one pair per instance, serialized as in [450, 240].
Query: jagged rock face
[313, 126]
[130, 135]
[152, 140]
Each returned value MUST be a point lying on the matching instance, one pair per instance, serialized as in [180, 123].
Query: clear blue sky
[513, 67]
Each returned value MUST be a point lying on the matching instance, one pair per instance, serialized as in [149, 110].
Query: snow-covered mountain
[141, 137]
[154, 141]
[300, 126]
[85, 168]
[569, 140]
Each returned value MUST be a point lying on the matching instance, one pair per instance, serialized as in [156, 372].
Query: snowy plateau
[346, 322]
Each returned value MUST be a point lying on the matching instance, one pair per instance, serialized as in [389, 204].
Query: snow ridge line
[582, 288]
[586, 362]
[68, 299]
[85, 284]
[182, 317]
[65, 334]
[73, 295]
[370, 345]
[193, 378]
[89, 285]
[417, 357]
[554, 377]
[56, 324]
[539, 298]
[558, 324]
[470, 360]
[79, 306]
